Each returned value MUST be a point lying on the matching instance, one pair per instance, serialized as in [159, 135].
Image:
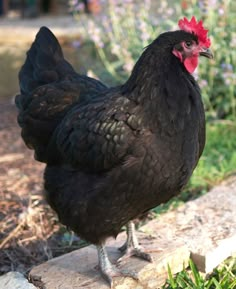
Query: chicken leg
[131, 247]
[108, 270]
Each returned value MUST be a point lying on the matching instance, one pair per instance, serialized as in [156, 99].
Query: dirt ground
[29, 230]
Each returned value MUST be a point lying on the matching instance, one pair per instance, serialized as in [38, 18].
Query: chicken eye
[188, 44]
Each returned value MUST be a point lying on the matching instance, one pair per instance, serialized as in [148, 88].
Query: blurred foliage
[10, 63]
[217, 163]
[219, 157]
[124, 28]
[217, 79]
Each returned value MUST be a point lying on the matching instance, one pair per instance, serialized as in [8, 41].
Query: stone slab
[204, 228]
[79, 269]
[206, 225]
[15, 280]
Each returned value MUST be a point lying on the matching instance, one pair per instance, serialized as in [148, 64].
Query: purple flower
[227, 67]
[221, 11]
[76, 43]
[203, 83]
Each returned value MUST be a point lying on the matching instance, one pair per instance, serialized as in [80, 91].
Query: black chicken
[114, 153]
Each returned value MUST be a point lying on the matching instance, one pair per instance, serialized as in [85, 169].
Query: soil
[29, 231]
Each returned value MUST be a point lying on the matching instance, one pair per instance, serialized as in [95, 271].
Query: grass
[219, 158]
[222, 278]
[216, 164]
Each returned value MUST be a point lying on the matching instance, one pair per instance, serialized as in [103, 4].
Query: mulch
[29, 230]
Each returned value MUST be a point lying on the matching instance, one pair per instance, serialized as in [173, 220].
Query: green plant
[222, 277]
[216, 164]
[119, 46]
[126, 27]
[219, 157]
[217, 79]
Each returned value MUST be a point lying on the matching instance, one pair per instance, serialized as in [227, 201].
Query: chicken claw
[132, 248]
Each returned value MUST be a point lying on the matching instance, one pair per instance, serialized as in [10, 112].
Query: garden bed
[30, 233]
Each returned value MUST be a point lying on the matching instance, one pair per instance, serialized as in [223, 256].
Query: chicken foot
[131, 247]
[108, 270]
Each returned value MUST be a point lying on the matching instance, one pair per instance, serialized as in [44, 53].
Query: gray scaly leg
[132, 247]
[108, 270]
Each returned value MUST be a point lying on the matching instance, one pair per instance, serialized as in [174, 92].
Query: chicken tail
[45, 92]
[44, 64]
[49, 87]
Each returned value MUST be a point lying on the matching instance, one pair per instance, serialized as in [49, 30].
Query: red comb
[197, 28]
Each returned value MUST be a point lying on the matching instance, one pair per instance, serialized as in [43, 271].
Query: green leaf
[171, 278]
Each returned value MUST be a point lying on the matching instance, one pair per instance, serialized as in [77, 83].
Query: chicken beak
[207, 53]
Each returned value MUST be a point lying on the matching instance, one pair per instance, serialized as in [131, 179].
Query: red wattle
[191, 63]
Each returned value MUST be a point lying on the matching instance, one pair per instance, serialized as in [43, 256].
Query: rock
[204, 228]
[206, 225]
[79, 270]
[15, 280]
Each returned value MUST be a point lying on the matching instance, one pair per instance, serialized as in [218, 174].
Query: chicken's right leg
[132, 247]
[107, 269]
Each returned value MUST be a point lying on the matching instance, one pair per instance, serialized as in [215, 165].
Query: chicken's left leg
[132, 247]
[108, 270]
